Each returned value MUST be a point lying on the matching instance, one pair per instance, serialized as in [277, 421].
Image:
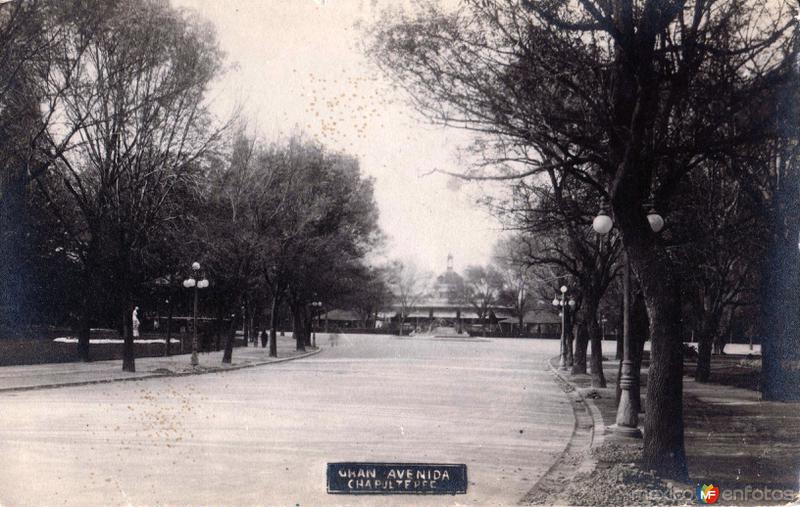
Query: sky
[296, 66]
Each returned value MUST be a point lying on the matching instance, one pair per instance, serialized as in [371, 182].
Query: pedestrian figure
[135, 321]
[334, 337]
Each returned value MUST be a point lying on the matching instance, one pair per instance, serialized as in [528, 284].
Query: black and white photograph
[399, 253]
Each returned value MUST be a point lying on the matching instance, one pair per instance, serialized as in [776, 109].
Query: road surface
[263, 435]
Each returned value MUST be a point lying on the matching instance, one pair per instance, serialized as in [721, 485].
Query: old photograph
[399, 252]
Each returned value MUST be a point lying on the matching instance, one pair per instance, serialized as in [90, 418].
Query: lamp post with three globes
[566, 306]
[190, 283]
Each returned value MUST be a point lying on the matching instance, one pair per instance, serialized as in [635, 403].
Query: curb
[582, 438]
[598, 424]
[214, 369]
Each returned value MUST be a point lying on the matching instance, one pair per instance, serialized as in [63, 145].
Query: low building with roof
[340, 319]
[441, 307]
[536, 323]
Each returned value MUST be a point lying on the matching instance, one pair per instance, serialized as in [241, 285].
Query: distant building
[444, 307]
[339, 319]
[534, 323]
[441, 307]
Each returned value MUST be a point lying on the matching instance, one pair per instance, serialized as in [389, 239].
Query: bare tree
[42, 49]
[409, 285]
[718, 240]
[137, 105]
[325, 228]
[626, 97]
[239, 201]
[517, 275]
[481, 290]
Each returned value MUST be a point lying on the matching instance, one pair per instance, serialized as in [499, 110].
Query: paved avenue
[264, 435]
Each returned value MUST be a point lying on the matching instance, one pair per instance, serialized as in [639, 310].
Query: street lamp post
[628, 408]
[190, 283]
[565, 305]
[603, 321]
[244, 325]
[169, 327]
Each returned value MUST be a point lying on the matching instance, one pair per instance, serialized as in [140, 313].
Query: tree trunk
[297, 325]
[663, 427]
[243, 309]
[128, 361]
[593, 334]
[780, 320]
[709, 328]
[307, 325]
[570, 338]
[84, 328]
[85, 318]
[581, 344]
[719, 343]
[637, 353]
[218, 328]
[596, 338]
[227, 356]
[258, 332]
[664, 442]
[273, 335]
[704, 345]
[251, 328]
[245, 321]
[596, 365]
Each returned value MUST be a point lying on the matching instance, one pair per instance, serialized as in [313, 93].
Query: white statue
[135, 320]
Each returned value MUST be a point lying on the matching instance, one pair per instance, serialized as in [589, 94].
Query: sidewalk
[41, 376]
[733, 440]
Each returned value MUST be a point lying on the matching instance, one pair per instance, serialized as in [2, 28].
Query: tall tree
[142, 126]
[555, 215]
[481, 290]
[326, 228]
[517, 275]
[627, 97]
[369, 295]
[248, 201]
[717, 240]
[39, 52]
[769, 172]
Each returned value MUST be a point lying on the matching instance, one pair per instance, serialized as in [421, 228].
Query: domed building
[445, 306]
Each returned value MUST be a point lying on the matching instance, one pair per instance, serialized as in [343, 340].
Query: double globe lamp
[627, 411]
